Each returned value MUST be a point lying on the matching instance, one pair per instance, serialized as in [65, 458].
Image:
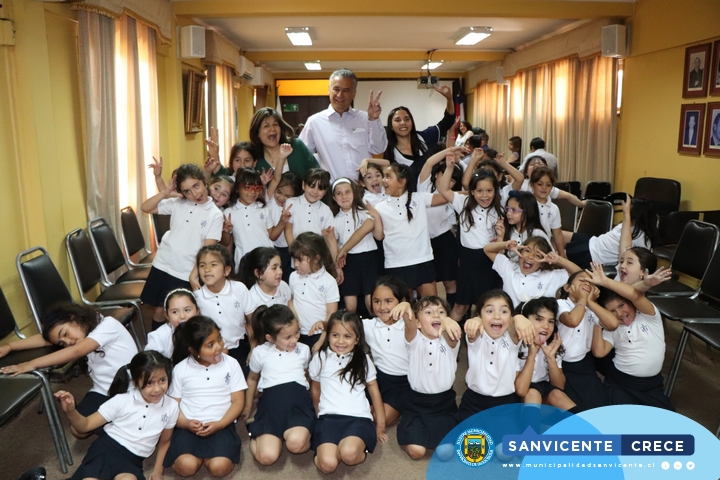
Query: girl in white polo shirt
[194, 221]
[542, 181]
[262, 273]
[432, 342]
[134, 420]
[358, 254]
[277, 370]
[522, 218]
[639, 341]
[209, 386]
[223, 300]
[313, 286]
[180, 306]
[385, 336]
[403, 227]
[493, 341]
[480, 214]
[81, 333]
[341, 372]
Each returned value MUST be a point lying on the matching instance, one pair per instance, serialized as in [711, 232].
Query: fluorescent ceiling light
[433, 65]
[313, 65]
[472, 35]
[299, 36]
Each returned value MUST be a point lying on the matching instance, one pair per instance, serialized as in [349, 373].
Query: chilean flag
[459, 98]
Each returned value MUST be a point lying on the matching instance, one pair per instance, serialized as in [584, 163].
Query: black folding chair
[596, 190]
[87, 276]
[664, 193]
[692, 257]
[133, 239]
[110, 257]
[674, 228]
[575, 188]
[568, 214]
[161, 225]
[596, 218]
[17, 392]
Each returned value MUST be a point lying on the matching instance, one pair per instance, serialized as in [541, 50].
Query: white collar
[399, 325]
[206, 293]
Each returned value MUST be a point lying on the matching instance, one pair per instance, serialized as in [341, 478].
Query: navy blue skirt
[544, 387]
[361, 271]
[578, 250]
[582, 384]
[225, 443]
[106, 458]
[414, 275]
[283, 407]
[333, 428]
[285, 262]
[473, 402]
[445, 253]
[158, 285]
[91, 404]
[394, 389]
[309, 340]
[624, 389]
[427, 418]
[475, 276]
[240, 353]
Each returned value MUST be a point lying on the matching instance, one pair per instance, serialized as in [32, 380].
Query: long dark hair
[357, 204]
[403, 172]
[87, 318]
[237, 148]
[185, 171]
[269, 321]
[533, 307]
[530, 220]
[397, 286]
[356, 370]
[286, 131]
[642, 215]
[191, 335]
[456, 175]
[312, 245]
[140, 369]
[258, 259]
[466, 217]
[417, 146]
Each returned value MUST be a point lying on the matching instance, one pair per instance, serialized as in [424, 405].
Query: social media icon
[665, 465]
[690, 465]
[677, 465]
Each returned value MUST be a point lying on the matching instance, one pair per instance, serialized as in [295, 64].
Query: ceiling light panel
[313, 65]
[299, 36]
[472, 35]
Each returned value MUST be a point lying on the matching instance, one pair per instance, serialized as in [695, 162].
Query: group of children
[327, 379]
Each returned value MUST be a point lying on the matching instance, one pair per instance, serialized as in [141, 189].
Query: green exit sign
[291, 107]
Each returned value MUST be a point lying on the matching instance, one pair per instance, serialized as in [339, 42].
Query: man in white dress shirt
[343, 136]
[537, 149]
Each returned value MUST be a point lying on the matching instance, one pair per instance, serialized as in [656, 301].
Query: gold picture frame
[194, 102]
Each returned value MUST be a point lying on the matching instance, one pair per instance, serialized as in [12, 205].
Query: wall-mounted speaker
[500, 74]
[614, 41]
[192, 41]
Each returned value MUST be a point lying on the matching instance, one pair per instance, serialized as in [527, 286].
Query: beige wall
[652, 95]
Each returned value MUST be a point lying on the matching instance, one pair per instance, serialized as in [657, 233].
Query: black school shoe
[37, 473]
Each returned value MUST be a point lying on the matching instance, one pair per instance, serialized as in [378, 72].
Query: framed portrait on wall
[712, 130]
[697, 63]
[715, 70]
[692, 121]
[194, 102]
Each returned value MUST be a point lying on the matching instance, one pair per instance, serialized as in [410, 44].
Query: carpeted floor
[25, 442]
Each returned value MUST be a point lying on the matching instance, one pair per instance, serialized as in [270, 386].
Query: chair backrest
[596, 218]
[664, 193]
[43, 285]
[712, 216]
[695, 249]
[161, 225]
[132, 235]
[7, 319]
[106, 248]
[563, 186]
[676, 224]
[568, 214]
[710, 285]
[82, 260]
[575, 188]
[597, 190]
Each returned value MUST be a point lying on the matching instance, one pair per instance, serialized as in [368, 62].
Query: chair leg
[131, 326]
[53, 431]
[52, 412]
[676, 363]
[709, 351]
[141, 319]
[692, 349]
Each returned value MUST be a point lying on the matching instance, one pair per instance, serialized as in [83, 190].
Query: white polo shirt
[161, 340]
[311, 294]
[346, 225]
[640, 346]
[275, 214]
[432, 364]
[116, 350]
[521, 288]
[483, 231]
[190, 225]
[521, 237]
[308, 217]
[227, 308]
[204, 392]
[136, 424]
[549, 216]
[606, 247]
[399, 233]
[440, 218]
[541, 371]
[576, 341]
[336, 396]
[374, 198]
[492, 365]
[277, 367]
[250, 228]
[257, 297]
[387, 345]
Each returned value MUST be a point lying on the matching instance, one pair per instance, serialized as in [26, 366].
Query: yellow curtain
[221, 108]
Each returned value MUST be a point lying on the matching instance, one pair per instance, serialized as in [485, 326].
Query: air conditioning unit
[245, 68]
[258, 78]
[428, 81]
[192, 41]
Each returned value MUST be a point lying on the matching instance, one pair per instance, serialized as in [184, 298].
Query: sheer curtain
[569, 103]
[221, 108]
[119, 87]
